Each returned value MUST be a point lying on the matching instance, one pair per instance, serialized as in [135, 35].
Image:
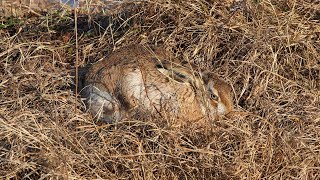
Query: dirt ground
[269, 51]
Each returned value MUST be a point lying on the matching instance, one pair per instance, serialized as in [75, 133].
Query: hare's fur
[149, 79]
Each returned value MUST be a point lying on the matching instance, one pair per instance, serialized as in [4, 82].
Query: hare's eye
[213, 96]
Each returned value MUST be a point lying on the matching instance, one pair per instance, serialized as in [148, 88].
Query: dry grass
[268, 50]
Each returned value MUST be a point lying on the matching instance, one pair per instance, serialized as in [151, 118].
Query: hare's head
[214, 93]
[218, 92]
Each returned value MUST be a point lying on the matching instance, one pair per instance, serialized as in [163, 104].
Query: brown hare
[138, 77]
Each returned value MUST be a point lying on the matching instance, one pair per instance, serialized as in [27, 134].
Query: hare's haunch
[138, 77]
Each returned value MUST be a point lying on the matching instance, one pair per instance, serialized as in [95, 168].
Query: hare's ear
[173, 73]
[205, 76]
[161, 66]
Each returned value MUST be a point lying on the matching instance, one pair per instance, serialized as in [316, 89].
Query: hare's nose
[222, 109]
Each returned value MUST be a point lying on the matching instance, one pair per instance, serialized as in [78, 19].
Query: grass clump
[267, 50]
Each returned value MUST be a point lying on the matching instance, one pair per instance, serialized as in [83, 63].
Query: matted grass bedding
[269, 51]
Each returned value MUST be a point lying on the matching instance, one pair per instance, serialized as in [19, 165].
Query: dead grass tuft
[268, 50]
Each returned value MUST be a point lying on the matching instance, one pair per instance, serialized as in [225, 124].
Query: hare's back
[130, 77]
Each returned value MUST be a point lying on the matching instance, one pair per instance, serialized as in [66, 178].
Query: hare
[138, 77]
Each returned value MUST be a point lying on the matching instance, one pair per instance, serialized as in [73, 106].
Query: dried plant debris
[267, 50]
[19, 8]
